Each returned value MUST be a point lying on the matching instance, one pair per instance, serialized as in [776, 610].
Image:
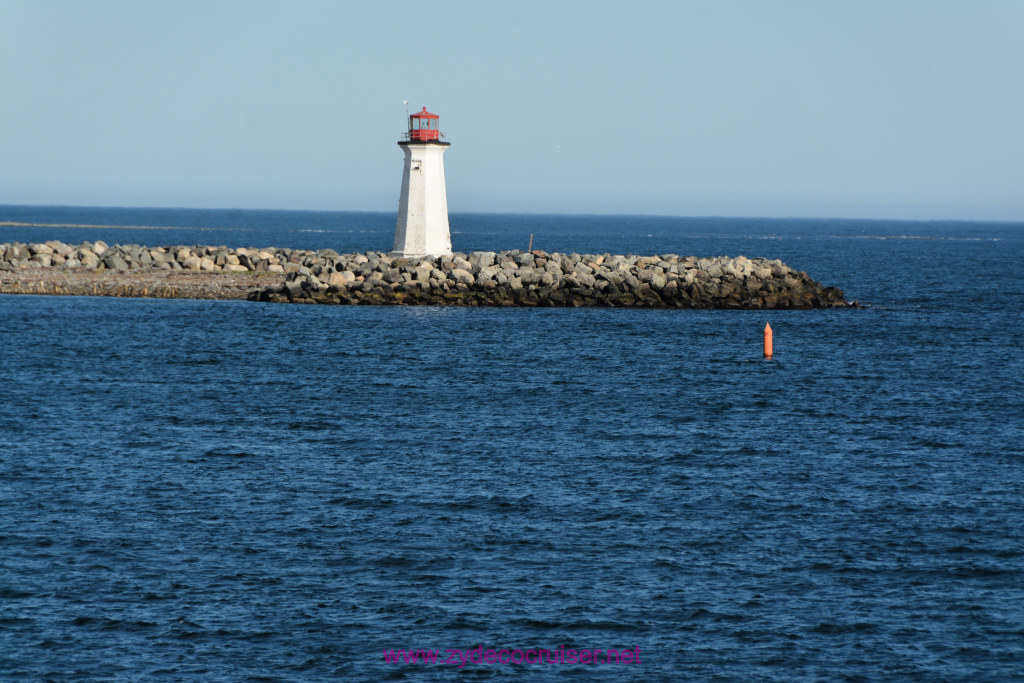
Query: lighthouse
[422, 228]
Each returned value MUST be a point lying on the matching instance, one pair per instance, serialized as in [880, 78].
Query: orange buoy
[767, 340]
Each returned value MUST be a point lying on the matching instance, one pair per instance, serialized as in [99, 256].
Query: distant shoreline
[15, 224]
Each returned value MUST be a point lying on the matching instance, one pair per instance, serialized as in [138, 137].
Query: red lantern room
[423, 127]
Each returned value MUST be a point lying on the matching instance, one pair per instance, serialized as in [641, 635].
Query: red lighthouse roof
[423, 126]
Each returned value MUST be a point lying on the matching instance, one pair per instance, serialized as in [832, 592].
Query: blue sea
[236, 491]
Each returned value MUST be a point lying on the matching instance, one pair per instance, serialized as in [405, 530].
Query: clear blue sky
[890, 108]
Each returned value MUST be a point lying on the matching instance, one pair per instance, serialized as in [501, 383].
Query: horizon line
[520, 213]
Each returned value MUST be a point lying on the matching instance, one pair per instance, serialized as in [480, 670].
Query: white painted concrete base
[422, 228]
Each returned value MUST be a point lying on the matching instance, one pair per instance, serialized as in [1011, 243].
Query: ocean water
[226, 491]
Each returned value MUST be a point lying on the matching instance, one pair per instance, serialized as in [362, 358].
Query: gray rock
[481, 259]
[487, 273]
[113, 261]
[60, 247]
[461, 275]
[535, 275]
[369, 283]
[343, 279]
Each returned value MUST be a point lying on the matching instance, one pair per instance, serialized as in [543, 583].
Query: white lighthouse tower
[422, 228]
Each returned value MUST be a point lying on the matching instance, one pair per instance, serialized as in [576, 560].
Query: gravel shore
[134, 283]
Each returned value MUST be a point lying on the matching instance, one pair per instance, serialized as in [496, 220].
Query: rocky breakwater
[99, 256]
[94, 268]
[537, 278]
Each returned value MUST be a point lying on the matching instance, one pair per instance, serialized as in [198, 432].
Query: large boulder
[113, 261]
[481, 259]
[462, 276]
